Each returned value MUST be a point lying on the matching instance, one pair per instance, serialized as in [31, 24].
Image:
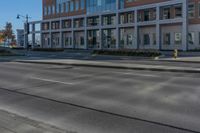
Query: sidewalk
[182, 59]
[117, 65]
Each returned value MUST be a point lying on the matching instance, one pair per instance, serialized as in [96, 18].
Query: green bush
[141, 53]
[5, 52]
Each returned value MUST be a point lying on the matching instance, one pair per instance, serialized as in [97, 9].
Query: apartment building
[120, 24]
[20, 38]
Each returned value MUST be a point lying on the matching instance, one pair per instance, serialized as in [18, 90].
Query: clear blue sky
[10, 8]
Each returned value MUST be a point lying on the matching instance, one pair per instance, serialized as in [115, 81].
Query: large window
[146, 39]
[126, 38]
[199, 9]
[121, 4]
[77, 5]
[191, 38]
[53, 9]
[93, 21]
[79, 40]
[45, 26]
[146, 15]
[178, 11]
[93, 39]
[67, 39]
[166, 39]
[154, 38]
[49, 10]
[71, 6]
[166, 13]
[66, 24]
[58, 6]
[177, 38]
[45, 11]
[127, 18]
[55, 40]
[191, 10]
[109, 38]
[78, 23]
[67, 7]
[95, 6]
[199, 38]
[55, 25]
[109, 20]
[82, 4]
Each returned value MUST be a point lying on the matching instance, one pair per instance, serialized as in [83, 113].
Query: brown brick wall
[195, 20]
[53, 2]
[142, 2]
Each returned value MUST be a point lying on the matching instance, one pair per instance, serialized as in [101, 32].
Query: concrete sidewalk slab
[182, 59]
[114, 65]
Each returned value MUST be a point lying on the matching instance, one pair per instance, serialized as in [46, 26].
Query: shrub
[142, 53]
[5, 52]
[49, 49]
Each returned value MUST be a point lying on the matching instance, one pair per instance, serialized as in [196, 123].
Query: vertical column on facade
[60, 36]
[85, 32]
[158, 30]
[33, 35]
[136, 30]
[100, 31]
[185, 26]
[50, 35]
[72, 35]
[41, 35]
[117, 24]
[117, 31]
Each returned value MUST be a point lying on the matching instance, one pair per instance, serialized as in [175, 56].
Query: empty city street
[102, 100]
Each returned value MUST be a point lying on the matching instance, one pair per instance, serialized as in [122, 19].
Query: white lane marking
[54, 81]
[137, 74]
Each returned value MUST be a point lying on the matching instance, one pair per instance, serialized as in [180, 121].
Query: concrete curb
[119, 66]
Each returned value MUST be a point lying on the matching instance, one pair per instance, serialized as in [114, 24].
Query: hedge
[139, 53]
[48, 49]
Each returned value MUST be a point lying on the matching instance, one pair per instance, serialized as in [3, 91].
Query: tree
[8, 32]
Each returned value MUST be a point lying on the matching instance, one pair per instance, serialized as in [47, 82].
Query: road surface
[101, 100]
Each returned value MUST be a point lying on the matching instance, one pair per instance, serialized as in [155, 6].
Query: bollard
[175, 53]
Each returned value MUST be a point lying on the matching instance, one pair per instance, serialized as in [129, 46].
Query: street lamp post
[26, 29]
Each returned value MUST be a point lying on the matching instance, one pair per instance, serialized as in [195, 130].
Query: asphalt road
[100, 100]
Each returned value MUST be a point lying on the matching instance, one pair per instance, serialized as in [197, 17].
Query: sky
[10, 8]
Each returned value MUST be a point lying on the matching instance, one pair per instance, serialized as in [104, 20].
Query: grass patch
[137, 53]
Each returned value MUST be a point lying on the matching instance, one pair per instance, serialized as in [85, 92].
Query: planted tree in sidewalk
[8, 33]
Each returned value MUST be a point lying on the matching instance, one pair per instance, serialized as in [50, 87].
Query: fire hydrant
[175, 53]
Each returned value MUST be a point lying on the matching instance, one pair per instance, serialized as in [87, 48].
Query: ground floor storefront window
[109, 38]
[55, 40]
[67, 40]
[126, 38]
[177, 38]
[46, 40]
[79, 40]
[166, 38]
[93, 39]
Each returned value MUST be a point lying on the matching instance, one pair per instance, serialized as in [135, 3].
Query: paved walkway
[182, 59]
